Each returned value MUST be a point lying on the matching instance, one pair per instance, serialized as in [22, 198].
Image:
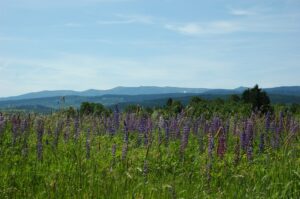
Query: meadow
[149, 155]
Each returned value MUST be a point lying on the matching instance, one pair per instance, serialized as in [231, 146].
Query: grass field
[144, 156]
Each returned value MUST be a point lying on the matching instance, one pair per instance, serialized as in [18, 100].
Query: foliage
[257, 98]
[173, 106]
[138, 155]
[88, 108]
[50, 104]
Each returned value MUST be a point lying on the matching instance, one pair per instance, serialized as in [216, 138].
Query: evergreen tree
[258, 98]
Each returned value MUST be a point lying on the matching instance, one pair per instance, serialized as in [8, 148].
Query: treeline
[252, 100]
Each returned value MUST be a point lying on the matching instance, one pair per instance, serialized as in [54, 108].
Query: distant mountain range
[142, 90]
[144, 95]
[150, 90]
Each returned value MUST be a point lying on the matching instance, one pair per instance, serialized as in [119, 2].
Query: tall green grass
[157, 170]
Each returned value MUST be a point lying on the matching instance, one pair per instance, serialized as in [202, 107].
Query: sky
[101, 44]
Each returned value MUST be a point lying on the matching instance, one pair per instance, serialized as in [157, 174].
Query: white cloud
[254, 22]
[216, 27]
[128, 19]
[189, 28]
[242, 12]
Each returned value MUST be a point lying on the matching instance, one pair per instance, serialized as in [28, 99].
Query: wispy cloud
[128, 19]
[216, 27]
[242, 12]
[251, 21]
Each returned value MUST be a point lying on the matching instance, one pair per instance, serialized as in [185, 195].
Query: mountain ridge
[151, 90]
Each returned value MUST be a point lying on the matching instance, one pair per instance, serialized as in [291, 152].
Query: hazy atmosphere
[100, 44]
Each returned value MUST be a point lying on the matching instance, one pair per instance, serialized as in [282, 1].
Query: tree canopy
[258, 98]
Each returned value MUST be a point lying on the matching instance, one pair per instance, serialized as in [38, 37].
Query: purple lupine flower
[111, 128]
[249, 133]
[235, 121]
[262, 142]
[185, 138]
[200, 141]
[59, 126]
[160, 137]
[288, 121]
[206, 128]
[273, 132]
[221, 144]
[24, 126]
[196, 128]
[268, 121]
[76, 129]
[146, 139]
[201, 120]
[40, 132]
[15, 128]
[216, 123]
[128, 121]
[278, 130]
[177, 130]
[105, 124]
[201, 134]
[147, 131]
[227, 127]
[281, 120]
[167, 132]
[2, 124]
[172, 127]
[88, 144]
[133, 122]
[249, 153]
[113, 152]
[210, 154]
[272, 126]
[243, 139]
[210, 144]
[150, 129]
[142, 129]
[25, 132]
[126, 134]
[67, 130]
[116, 117]
[277, 137]
[49, 134]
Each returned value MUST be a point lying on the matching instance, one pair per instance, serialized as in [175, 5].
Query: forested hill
[150, 90]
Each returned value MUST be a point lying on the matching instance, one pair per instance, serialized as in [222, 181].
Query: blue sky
[100, 44]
